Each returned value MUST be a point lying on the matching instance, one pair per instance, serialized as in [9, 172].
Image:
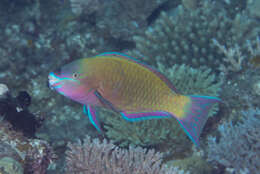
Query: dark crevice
[163, 7]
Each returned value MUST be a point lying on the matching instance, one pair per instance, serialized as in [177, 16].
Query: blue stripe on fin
[90, 111]
[122, 55]
[133, 116]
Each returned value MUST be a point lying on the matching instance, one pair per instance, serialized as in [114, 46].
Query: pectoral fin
[140, 116]
[91, 112]
[105, 102]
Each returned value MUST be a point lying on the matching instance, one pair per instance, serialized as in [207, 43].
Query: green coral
[163, 133]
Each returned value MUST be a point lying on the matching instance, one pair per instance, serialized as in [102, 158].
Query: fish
[131, 88]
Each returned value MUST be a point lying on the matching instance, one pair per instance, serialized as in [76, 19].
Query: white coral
[233, 57]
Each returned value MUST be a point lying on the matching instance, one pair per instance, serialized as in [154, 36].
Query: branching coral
[238, 147]
[120, 19]
[234, 57]
[185, 36]
[97, 157]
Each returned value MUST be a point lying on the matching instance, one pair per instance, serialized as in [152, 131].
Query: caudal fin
[196, 116]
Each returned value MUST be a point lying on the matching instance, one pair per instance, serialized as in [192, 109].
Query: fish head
[70, 81]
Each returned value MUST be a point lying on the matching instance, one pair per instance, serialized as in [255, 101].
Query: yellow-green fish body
[135, 90]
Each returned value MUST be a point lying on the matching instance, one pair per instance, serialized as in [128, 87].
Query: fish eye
[75, 75]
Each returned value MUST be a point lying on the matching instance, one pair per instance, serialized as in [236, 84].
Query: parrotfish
[133, 89]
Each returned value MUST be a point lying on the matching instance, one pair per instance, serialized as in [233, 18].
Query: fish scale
[137, 81]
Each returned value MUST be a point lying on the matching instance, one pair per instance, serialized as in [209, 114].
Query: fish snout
[54, 81]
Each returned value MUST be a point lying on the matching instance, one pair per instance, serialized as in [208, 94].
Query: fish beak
[54, 81]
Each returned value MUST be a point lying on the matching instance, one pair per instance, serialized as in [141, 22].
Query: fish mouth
[54, 81]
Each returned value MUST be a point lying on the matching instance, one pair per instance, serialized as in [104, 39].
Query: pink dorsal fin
[159, 74]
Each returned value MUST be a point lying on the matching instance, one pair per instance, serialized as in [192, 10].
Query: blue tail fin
[196, 116]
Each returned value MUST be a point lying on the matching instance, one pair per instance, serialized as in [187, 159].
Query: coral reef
[234, 57]
[105, 158]
[38, 36]
[131, 14]
[253, 7]
[243, 84]
[196, 164]
[9, 160]
[238, 146]
[35, 45]
[165, 134]
[19, 153]
[43, 42]
[185, 36]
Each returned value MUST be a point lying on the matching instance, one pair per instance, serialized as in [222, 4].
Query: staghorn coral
[238, 147]
[234, 57]
[185, 36]
[105, 158]
[164, 133]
